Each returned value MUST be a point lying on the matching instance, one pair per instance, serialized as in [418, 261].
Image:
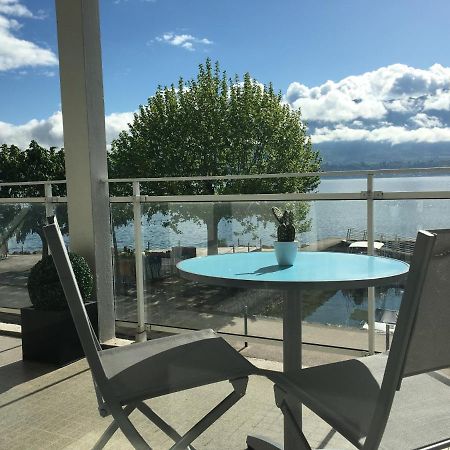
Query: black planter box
[51, 337]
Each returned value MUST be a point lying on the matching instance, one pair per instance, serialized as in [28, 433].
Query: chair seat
[345, 394]
[153, 368]
[420, 414]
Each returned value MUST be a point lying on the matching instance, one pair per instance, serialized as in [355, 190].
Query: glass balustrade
[174, 228]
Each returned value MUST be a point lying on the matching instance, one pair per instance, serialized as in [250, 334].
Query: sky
[364, 72]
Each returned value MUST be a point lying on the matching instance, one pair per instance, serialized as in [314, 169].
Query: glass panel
[338, 219]
[342, 185]
[21, 247]
[403, 218]
[176, 231]
[413, 183]
[124, 261]
[396, 225]
[327, 313]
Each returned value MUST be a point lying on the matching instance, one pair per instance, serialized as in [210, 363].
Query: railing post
[141, 334]
[49, 209]
[245, 324]
[370, 251]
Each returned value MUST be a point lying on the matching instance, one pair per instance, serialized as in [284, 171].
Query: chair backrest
[407, 318]
[88, 339]
[429, 341]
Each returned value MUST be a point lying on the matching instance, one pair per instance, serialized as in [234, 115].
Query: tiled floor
[41, 408]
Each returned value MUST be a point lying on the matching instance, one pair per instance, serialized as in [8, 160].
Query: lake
[328, 218]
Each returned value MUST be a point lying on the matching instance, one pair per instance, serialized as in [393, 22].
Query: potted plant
[286, 246]
[48, 331]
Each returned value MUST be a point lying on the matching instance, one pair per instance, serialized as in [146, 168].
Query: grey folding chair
[124, 377]
[359, 398]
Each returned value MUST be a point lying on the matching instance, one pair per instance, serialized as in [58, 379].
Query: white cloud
[49, 73]
[423, 120]
[372, 95]
[14, 8]
[15, 52]
[390, 134]
[115, 123]
[441, 101]
[49, 132]
[186, 41]
[391, 105]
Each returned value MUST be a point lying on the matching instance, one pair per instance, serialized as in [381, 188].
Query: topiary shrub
[44, 287]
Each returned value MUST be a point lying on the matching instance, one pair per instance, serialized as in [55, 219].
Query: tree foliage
[35, 163]
[215, 125]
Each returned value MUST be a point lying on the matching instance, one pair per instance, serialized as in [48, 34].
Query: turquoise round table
[310, 270]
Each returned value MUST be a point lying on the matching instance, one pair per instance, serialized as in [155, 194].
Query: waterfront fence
[139, 268]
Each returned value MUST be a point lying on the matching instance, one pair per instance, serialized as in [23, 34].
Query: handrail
[331, 173]
[31, 183]
[312, 196]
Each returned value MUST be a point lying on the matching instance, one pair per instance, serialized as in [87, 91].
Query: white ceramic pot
[285, 252]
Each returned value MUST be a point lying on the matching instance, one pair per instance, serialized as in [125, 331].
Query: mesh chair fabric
[429, 347]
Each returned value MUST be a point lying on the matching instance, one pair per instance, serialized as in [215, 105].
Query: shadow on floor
[14, 371]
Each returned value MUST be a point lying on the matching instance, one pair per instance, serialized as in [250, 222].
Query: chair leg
[121, 417]
[109, 432]
[122, 421]
[160, 423]
[106, 436]
[240, 387]
[282, 403]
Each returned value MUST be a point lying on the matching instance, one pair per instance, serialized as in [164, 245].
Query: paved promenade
[13, 280]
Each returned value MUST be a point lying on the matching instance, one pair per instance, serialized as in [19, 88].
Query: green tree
[215, 125]
[35, 163]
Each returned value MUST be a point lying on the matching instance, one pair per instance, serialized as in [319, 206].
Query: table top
[310, 270]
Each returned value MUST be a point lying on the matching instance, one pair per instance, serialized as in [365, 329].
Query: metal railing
[369, 195]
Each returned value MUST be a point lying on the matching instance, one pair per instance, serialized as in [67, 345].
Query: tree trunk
[44, 244]
[212, 227]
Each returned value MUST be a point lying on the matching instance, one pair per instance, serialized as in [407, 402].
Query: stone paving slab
[58, 410]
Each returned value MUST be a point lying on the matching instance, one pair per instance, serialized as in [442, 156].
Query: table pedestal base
[260, 443]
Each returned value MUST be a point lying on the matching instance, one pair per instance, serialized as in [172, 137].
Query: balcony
[133, 240]
[151, 299]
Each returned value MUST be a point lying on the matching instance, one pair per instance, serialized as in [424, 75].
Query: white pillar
[80, 68]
